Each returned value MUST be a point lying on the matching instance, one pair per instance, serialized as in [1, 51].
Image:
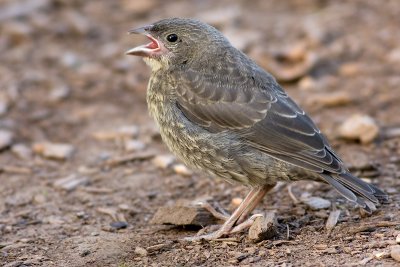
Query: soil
[64, 79]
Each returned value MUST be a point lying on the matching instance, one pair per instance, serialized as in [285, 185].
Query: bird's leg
[219, 215]
[245, 208]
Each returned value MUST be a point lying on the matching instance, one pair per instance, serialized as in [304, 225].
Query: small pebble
[134, 145]
[163, 161]
[349, 69]
[17, 32]
[394, 55]
[80, 214]
[6, 139]
[359, 127]
[22, 151]
[84, 253]
[381, 254]
[124, 207]
[124, 132]
[307, 83]
[139, 7]
[332, 220]
[70, 182]
[340, 98]
[119, 225]
[39, 199]
[395, 253]
[59, 93]
[182, 170]
[4, 104]
[54, 150]
[129, 131]
[141, 251]
[236, 201]
[398, 239]
[316, 203]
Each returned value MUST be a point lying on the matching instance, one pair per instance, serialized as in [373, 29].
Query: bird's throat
[155, 64]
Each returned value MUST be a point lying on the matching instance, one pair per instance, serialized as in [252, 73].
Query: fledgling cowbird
[218, 111]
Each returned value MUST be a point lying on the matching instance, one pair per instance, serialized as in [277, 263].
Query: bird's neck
[160, 95]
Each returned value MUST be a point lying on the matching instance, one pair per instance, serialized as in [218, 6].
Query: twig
[292, 196]
[15, 169]
[372, 226]
[130, 157]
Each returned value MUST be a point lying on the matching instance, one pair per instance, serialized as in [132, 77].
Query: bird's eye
[172, 38]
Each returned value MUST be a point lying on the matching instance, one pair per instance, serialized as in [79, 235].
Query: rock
[17, 9]
[264, 227]
[394, 55]
[119, 225]
[315, 203]
[213, 16]
[84, 252]
[395, 253]
[124, 207]
[4, 104]
[39, 199]
[398, 239]
[22, 151]
[242, 39]
[70, 182]
[141, 251]
[381, 254]
[123, 132]
[134, 145]
[287, 65]
[109, 211]
[357, 159]
[236, 201]
[54, 220]
[340, 98]
[59, 93]
[163, 161]
[359, 127]
[70, 60]
[332, 220]
[139, 7]
[17, 32]
[182, 170]
[349, 69]
[6, 139]
[77, 22]
[19, 199]
[54, 150]
[307, 83]
[183, 215]
[129, 131]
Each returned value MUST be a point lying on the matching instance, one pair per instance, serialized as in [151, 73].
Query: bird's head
[176, 42]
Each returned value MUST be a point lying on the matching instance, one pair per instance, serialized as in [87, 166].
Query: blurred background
[82, 166]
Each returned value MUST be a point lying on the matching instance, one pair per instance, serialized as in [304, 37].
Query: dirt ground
[79, 179]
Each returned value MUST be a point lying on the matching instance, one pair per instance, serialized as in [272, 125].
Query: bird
[218, 111]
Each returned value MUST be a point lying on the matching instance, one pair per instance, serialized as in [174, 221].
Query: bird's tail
[356, 190]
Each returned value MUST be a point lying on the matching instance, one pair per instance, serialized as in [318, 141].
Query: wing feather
[261, 115]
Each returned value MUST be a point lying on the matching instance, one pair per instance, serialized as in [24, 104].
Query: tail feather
[356, 190]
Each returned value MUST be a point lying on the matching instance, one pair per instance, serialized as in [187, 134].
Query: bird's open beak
[146, 50]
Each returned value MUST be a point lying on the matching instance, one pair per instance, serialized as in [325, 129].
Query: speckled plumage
[220, 112]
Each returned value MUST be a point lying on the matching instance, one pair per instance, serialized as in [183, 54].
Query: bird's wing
[262, 115]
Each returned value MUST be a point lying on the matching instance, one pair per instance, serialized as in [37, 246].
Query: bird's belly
[220, 154]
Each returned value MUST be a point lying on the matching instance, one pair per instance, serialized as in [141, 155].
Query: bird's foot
[226, 229]
[221, 215]
[238, 220]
